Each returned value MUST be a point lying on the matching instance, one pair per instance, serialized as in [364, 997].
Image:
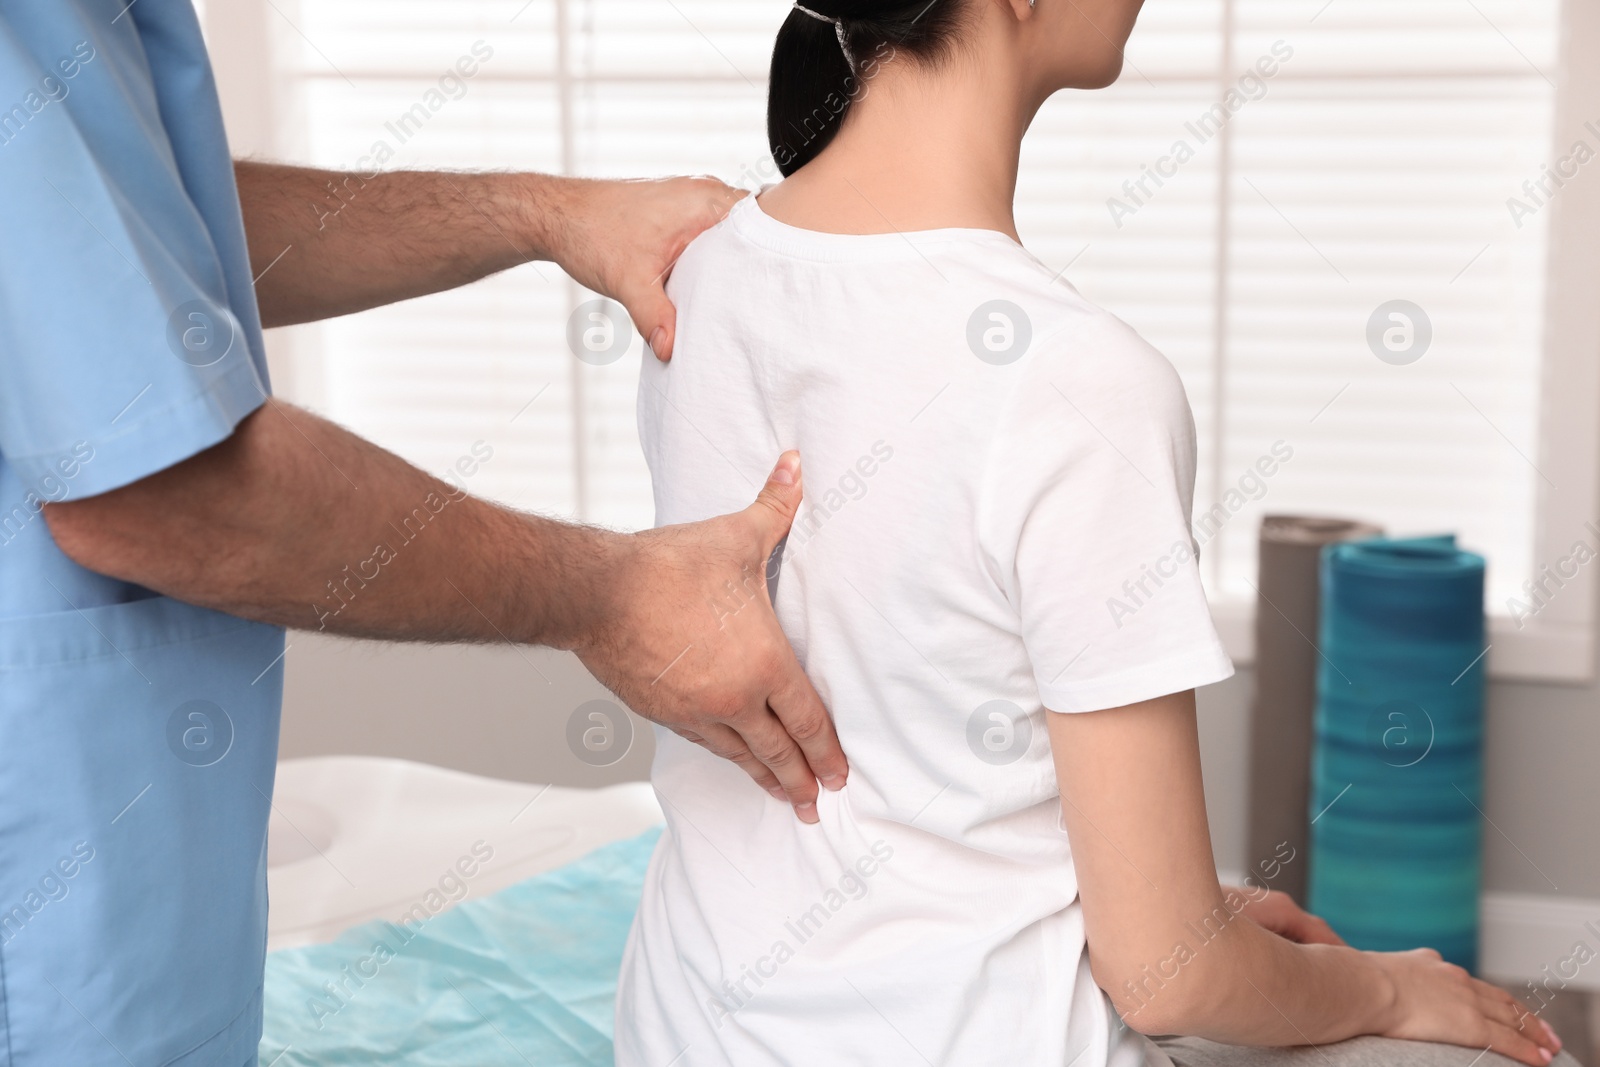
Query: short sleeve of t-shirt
[1085, 521]
[129, 338]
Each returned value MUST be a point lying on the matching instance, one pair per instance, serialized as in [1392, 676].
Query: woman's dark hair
[813, 80]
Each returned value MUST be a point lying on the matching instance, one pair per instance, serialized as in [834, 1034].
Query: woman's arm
[1167, 944]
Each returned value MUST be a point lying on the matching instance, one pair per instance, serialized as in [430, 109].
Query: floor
[1575, 1017]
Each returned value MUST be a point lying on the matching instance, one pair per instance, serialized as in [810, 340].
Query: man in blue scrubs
[162, 518]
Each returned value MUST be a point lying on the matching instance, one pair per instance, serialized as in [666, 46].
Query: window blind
[1265, 185]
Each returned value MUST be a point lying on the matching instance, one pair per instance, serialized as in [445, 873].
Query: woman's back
[999, 478]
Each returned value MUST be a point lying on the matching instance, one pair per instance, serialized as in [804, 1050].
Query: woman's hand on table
[1439, 1001]
[1434, 1000]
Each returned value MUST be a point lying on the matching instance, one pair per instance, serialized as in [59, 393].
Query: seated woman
[1019, 870]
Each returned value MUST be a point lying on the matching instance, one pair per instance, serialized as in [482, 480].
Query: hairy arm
[326, 243]
[296, 521]
[1166, 942]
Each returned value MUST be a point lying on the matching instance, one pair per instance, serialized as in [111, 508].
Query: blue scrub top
[129, 336]
[138, 735]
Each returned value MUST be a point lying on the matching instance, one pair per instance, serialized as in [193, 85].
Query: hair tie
[838, 31]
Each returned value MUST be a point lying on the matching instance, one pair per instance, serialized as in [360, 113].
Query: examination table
[422, 916]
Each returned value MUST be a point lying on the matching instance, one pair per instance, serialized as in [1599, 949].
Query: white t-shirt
[996, 522]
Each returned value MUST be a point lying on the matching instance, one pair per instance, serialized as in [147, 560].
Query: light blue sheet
[528, 975]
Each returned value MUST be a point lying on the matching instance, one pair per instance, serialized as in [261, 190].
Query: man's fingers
[653, 313]
[656, 320]
[776, 504]
[772, 745]
[800, 710]
[725, 742]
[720, 198]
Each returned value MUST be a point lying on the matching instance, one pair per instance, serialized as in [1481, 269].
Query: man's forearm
[327, 243]
[296, 521]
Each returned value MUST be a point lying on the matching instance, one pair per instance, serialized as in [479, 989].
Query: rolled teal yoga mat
[1397, 770]
[526, 976]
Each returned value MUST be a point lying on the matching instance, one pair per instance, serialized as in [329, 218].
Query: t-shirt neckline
[759, 228]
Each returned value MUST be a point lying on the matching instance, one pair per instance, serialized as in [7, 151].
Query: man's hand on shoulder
[329, 243]
[621, 238]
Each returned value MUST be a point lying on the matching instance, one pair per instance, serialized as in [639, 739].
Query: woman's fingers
[1278, 912]
[1513, 1043]
[1514, 1030]
[1520, 1017]
[1314, 930]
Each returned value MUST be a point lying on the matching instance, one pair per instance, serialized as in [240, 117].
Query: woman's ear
[1021, 10]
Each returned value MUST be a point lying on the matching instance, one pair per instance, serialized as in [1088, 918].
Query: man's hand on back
[690, 641]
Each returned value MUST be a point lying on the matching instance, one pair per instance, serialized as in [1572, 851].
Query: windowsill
[1538, 652]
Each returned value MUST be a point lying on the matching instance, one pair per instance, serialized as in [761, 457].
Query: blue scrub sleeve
[123, 348]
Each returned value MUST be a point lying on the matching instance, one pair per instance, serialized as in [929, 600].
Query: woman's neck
[920, 149]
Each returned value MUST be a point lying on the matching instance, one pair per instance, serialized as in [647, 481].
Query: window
[1336, 217]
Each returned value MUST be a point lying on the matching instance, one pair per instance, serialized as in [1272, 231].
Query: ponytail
[826, 52]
